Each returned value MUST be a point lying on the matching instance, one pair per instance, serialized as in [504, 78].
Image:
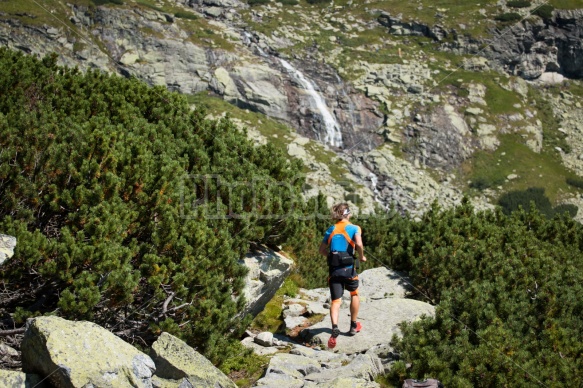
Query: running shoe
[332, 340]
[355, 329]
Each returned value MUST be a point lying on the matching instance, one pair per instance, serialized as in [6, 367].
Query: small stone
[264, 339]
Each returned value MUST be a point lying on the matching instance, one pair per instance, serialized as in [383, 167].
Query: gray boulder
[82, 354]
[175, 360]
[7, 245]
[264, 338]
[15, 379]
[292, 365]
[249, 342]
[363, 366]
[267, 271]
[306, 367]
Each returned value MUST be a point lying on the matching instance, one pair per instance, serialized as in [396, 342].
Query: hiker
[339, 243]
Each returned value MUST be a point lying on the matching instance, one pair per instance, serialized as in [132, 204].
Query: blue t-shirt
[339, 243]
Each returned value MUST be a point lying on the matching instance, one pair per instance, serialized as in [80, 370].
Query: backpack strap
[340, 228]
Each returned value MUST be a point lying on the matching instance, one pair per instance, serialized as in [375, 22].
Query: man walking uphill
[340, 242]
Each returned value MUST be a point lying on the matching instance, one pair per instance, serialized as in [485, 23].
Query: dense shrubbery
[508, 17]
[508, 292]
[534, 196]
[185, 15]
[102, 182]
[575, 182]
[483, 182]
[519, 3]
[545, 11]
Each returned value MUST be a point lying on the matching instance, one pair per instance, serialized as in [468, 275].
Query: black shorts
[343, 279]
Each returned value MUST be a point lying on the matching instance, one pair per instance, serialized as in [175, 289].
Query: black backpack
[429, 383]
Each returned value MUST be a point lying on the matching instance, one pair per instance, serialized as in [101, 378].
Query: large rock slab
[267, 272]
[175, 360]
[382, 283]
[82, 354]
[380, 319]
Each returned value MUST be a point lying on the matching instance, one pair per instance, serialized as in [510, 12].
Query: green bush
[570, 209]
[534, 196]
[288, 2]
[519, 4]
[575, 182]
[130, 209]
[507, 294]
[482, 183]
[185, 15]
[508, 17]
[545, 11]
[318, 1]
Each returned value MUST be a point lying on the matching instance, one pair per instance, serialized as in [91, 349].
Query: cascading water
[374, 180]
[333, 135]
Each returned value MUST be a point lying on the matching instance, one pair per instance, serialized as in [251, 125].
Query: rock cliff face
[365, 110]
[527, 49]
[533, 47]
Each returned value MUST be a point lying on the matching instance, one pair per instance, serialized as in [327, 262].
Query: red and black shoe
[355, 327]
[332, 340]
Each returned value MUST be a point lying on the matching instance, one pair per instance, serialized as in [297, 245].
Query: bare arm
[359, 247]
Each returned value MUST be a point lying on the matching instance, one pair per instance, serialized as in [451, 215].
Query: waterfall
[333, 134]
[374, 180]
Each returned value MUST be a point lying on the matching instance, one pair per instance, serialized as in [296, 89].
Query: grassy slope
[533, 170]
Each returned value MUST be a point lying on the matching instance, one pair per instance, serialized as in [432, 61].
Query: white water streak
[333, 134]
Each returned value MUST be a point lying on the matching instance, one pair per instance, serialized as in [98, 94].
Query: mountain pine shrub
[533, 198]
[519, 3]
[545, 11]
[575, 182]
[507, 293]
[130, 209]
[508, 17]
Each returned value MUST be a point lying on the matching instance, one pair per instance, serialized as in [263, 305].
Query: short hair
[339, 211]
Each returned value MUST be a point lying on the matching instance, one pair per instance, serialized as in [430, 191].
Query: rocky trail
[356, 360]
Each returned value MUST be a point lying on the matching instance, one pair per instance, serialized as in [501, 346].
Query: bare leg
[354, 307]
[335, 310]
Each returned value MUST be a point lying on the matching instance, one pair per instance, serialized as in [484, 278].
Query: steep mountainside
[385, 101]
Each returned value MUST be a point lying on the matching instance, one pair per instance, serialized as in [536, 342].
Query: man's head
[341, 211]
